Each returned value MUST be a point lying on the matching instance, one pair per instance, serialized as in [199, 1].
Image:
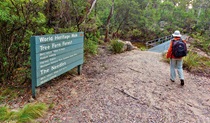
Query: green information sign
[53, 55]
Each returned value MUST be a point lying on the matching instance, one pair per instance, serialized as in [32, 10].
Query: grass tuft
[7, 94]
[31, 112]
[191, 61]
[4, 114]
[28, 113]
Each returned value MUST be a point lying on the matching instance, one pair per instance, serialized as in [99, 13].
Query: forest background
[100, 20]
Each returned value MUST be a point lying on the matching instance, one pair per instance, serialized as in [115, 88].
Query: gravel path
[131, 87]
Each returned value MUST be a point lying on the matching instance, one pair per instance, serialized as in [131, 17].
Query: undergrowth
[9, 93]
[27, 114]
[140, 45]
[202, 42]
[91, 44]
[116, 46]
[194, 62]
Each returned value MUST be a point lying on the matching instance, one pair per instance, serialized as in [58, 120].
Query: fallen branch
[122, 91]
[135, 70]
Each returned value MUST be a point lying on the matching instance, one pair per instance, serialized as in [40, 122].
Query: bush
[90, 47]
[91, 44]
[134, 34]
[116, 46]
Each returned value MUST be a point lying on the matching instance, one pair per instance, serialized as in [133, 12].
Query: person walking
[176, 61]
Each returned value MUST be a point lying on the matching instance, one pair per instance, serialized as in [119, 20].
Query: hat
[177, 34]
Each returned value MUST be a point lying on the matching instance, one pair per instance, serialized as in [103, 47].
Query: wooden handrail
[158, 41]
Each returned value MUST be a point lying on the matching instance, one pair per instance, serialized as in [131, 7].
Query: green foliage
[207, 63]
[134, 34]
[91, 44]
[5, 114]
[116, 46]
[28, 113]
[140, 45]
[20, 20]
[31, 112]
[202, 42]
[164, 58]
[132, 19]
[191, 61]
[197, 63]
[7, 94]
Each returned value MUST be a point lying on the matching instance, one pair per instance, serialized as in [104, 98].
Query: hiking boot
[172, 80]
[182, 82]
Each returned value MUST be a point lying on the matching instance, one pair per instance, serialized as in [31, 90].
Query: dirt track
[132, 87]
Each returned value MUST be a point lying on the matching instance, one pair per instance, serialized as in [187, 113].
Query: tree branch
[122, 91]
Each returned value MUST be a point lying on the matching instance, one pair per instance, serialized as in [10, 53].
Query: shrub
[135, 33]
[116, 46]
[90, 47]
[91, 44]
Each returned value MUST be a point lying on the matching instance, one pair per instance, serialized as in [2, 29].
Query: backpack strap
[172, 47]
[173, 44]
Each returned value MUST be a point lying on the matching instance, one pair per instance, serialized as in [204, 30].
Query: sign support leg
[33, 90]
[79, 69]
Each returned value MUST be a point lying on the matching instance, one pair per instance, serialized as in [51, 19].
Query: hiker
[176, 60]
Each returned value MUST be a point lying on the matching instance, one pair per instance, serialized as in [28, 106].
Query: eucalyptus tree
[201, 11]
[126, 17]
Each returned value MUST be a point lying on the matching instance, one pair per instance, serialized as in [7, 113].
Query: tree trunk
[89, 9]
[116, 34]
[93, 3]
[108, 22]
